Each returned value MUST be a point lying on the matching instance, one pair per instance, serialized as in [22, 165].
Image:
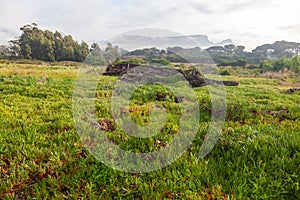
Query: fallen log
[194, 77]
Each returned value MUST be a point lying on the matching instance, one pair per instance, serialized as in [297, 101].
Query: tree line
[38, 44]
[35, 43]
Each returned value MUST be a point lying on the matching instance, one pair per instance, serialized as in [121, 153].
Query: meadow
[42, 157]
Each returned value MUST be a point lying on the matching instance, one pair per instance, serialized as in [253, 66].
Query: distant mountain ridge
[131, 42]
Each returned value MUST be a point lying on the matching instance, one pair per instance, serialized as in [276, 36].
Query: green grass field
[42, 156]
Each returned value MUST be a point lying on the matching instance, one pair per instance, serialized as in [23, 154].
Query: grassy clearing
[41, 155]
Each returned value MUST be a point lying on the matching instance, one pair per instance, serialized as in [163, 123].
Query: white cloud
[247, 22]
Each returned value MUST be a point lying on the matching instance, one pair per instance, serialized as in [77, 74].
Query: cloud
[292, 28]
[247, 22]
[247, 5]
[12, 15]
[202, 8]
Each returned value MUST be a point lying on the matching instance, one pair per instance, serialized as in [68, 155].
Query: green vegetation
[41, 155]
[239, 62]
[282, 64]
[225, 72]
[37, 44]
[229, 55]
[132, 61]
[97, 57]
[161, 61]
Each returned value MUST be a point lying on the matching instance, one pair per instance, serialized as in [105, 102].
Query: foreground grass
[41, 155]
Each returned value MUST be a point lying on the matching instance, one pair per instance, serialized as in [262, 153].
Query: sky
[246, 22]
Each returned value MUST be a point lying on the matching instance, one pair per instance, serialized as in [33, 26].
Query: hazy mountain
[225, 42]
[131, 42]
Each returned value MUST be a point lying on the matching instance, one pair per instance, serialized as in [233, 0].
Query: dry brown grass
[38, 70]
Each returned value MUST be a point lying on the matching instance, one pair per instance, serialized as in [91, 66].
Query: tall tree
[96, 56]
[35, 43]
[111, 53]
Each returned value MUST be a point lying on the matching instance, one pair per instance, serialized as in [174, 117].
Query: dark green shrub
[225, 73]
